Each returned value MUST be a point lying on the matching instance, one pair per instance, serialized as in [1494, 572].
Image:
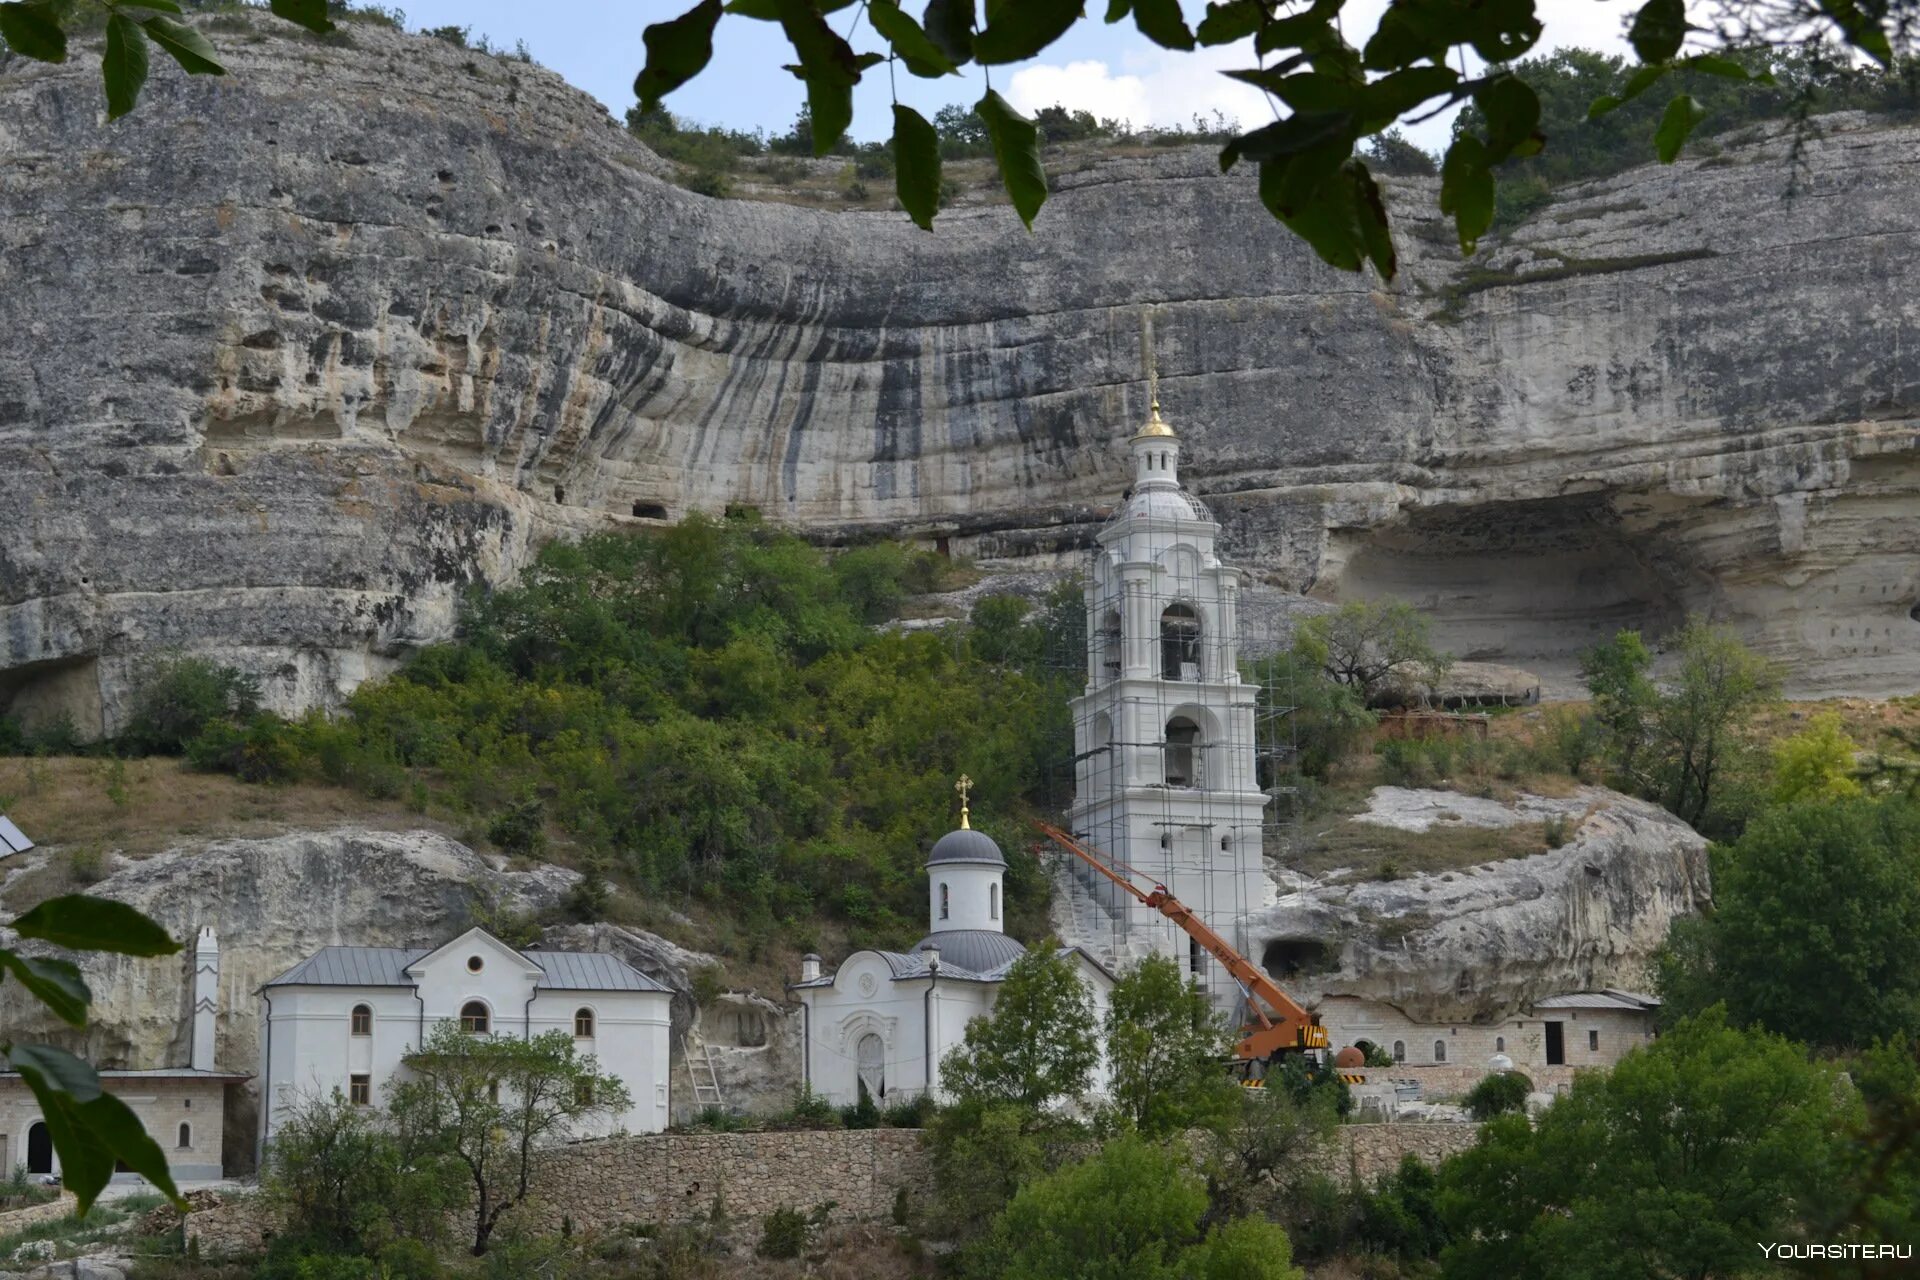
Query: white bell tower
[1164, 734]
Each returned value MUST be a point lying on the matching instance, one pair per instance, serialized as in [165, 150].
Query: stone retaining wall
[14, 1221]
[675, 1177]
[1369, 1151]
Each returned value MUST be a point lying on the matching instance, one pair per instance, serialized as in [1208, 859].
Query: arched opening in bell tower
[1107, 646]
[1183, 755]
[1180, 643]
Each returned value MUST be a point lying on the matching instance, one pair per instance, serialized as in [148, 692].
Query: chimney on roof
[206, 997]
[809, 967]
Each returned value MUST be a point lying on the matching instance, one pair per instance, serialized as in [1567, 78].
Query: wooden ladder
[700, 1062]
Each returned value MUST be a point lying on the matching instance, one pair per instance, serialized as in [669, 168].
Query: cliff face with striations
[299, 354]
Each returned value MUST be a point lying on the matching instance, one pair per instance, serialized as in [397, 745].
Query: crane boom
[1279, 1024]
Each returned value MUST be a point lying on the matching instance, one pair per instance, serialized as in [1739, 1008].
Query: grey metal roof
[589, 971]
[978, 951]
[12, 839]
[1608, 999]
[387, 967]
[966, 845]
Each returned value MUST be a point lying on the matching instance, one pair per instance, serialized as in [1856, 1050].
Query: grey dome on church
[966, 845]
[974, 950]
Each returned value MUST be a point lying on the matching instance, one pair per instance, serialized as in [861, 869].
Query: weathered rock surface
[299, 353]
[1487, 940]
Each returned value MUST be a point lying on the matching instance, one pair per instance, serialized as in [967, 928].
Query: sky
[1112, 71]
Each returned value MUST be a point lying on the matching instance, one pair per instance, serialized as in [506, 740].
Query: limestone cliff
[1490, 939]
[300, 353]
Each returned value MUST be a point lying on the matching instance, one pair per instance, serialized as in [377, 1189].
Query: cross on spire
[963, 786]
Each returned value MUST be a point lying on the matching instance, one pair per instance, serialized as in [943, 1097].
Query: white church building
[345, 1018]
[886, 1019]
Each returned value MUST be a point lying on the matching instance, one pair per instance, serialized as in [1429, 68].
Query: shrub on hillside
[1498, 1094]
[178, 697]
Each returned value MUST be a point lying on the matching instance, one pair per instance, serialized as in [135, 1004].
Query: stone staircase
[1081, 919]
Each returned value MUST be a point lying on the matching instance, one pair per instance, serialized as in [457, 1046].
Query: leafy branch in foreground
[91, 1129]
[1328, 96]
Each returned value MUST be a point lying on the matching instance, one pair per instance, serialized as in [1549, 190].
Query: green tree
[1672, 1164]
[1371, 646]
[982, 1154]
[1038, 1046]
[1618, 677]
[1816, 763]
[1131, 1212]
[1816, 928]
[1165, 1047]
[1327, 721]
[178, 697]
[490, 1102]
[1700, 720]
[348, 1183]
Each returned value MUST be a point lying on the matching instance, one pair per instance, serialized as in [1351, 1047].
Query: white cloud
[1156, 87]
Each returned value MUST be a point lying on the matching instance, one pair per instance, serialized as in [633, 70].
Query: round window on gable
[475, 964]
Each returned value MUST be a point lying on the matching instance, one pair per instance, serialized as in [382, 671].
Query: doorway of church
[39, 1148]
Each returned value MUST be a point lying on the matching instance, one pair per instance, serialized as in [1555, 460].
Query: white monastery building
[345, 1017]
[182, 1108]
[885, 1019]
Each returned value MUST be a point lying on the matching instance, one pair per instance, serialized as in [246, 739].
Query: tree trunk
[482, 1225]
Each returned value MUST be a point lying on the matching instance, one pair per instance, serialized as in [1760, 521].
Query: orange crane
[1278, 1024]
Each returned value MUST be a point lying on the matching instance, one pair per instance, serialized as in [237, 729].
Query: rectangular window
[1593, 1042]
[360, 1090]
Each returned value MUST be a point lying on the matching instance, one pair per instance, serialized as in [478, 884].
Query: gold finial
[1156, 425]
[963, 786]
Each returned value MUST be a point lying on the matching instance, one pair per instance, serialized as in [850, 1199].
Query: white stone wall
[973, 897]
[1592, 1037]
[163, 1106]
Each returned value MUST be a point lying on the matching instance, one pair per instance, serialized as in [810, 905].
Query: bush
[915, 1113]
[784, 1234]
[862, 1114]
[520, 828]
[1498, 1094]
[177, 698]
[264, 749]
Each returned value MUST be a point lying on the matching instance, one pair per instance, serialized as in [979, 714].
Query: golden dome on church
[1156, 427]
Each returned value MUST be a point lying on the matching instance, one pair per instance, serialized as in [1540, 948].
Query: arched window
[474, 1018]
[186, 1135]
[583, 1024]
[871, 1059]
[1499, 1044]
[1399, 1050]
[1109, 646]
[1439, 1050]
[1183, 757]
[946, 903]
[1180, 643]
[362, 1020]
[993, 902]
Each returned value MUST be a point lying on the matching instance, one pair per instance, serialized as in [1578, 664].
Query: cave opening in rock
[1292, 957]
[1533, 582]
[652, 510]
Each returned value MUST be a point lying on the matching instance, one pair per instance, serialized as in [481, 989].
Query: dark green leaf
[124, 67]
[1118, 9]
[1382, 102]
[1501, 30]
[31, 31]
[1409, 31]
[828, 65]
[188, 47]
[922, 56]
[60, 1070]
[1727, 68]
[1016, 149]
[949, 24]
[1466, 189]
[81, 922]
[1861, 30]
[1307, 31]
[1637, 84]
[1512, 111]
[1345, 220]
[1658, 29]
[677, 51]
[56, 984]
[1018, 31]
[1286, 138]
[92, 1134]
[769, 10]
[1226, 23]
[1162, 22]
[163, 6]
[1681, 115]
[916, 165]
[311, 14]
